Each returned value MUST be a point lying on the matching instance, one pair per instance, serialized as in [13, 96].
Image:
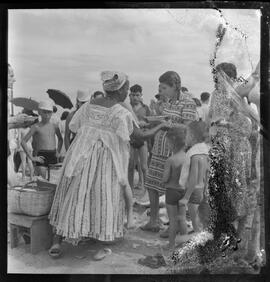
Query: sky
[67, 49]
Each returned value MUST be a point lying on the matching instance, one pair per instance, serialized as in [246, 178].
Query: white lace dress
[89, 200]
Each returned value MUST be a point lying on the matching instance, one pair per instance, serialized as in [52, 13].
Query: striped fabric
[182, 110]
[155, 174]
[89, 199]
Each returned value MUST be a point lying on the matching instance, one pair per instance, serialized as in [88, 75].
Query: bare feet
[150, 227]
[55, 251]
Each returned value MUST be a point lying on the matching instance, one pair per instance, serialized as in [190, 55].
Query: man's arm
[138, 133]
[60, 139]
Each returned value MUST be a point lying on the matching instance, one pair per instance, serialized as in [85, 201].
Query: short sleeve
[125, 126]
[76, 120]
[189, 110]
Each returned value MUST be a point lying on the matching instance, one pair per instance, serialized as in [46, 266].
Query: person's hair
[205, 96]
[171, 78]
[64, 115]
[116, 93]
[229, 69]
[54, 109]
[197, 102]
[199, 130]
[184, 89]
[177, 135]
[97, 93]
[136, 88]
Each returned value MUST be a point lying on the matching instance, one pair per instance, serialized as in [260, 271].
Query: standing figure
[181, 109]
[138, 150]
[44, 134]
[93, 185]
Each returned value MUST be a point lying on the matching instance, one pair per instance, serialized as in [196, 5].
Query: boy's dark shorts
[49, 157]
[173, 196]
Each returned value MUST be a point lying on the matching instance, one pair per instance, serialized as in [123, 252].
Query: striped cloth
[179, 112]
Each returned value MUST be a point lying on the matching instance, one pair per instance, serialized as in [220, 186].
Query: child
[195, 170]
[43, 134]
[174, 192]
[21, 134]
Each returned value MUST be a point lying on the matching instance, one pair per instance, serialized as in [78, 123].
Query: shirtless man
[43, 134]
[81, 99]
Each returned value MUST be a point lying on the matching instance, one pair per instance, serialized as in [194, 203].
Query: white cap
[82, 96]
[46, 105]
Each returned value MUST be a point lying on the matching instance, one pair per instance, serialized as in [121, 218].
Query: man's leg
[143, 156]
[131, 167]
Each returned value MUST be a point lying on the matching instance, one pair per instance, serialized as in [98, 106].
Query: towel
[199, 148]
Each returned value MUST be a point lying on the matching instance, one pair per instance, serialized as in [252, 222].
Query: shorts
[196, 196]
[49, 157]
[174, 195]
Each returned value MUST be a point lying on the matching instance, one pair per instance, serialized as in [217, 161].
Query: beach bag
[34, 198]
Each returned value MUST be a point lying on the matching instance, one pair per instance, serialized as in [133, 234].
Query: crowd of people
[106, 139]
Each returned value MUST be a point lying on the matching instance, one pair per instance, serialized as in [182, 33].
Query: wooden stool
[37, 228]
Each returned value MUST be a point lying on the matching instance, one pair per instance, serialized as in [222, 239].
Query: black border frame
[265, 106]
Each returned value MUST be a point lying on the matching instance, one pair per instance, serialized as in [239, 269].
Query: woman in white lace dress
[89, 199]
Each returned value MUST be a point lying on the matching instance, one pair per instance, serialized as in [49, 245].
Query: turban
[113, 80]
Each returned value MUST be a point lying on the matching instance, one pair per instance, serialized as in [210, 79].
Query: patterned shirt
[179, 112]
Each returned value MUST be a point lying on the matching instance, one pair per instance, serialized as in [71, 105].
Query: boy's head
[205, 97]
[135, 94]
[45, 110]
[229, 69]
[176, 137]
[197, 132]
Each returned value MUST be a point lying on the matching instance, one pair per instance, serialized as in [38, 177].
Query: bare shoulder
[35, 127]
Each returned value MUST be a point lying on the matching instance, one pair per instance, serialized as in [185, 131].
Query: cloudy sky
[67, 49]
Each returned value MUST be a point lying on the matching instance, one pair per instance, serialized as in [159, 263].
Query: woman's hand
[166, 124]
[142, 123]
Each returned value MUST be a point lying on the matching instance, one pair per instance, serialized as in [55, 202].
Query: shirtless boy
[43, 134]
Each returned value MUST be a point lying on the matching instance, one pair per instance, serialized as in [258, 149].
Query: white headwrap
[113, 80]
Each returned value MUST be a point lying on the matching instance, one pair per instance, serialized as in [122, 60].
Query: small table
[38, 229]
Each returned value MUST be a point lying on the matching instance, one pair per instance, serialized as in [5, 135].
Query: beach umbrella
[26, 103]
[60, 98]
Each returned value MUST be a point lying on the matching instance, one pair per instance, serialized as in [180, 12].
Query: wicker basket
[34, 198]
